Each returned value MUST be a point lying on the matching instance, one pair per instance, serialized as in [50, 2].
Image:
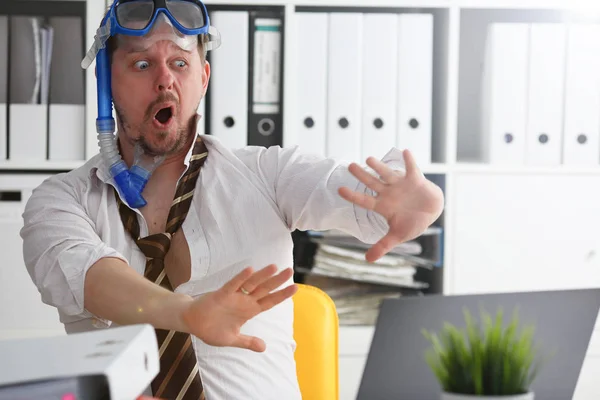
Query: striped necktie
[179, 378]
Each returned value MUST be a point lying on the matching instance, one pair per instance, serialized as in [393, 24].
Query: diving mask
[187, 22]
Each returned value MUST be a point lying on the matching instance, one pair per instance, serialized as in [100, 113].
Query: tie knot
[155, 246]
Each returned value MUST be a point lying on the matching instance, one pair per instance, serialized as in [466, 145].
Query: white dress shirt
[246, 204]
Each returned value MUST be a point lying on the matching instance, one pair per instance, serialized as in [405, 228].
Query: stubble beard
[135, 135]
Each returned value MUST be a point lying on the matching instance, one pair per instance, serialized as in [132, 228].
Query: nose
[164, 79]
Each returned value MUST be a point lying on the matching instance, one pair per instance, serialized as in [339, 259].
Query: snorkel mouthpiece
[132, 181]
[131, 184]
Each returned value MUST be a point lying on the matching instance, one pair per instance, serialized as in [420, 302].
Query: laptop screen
[563, 321]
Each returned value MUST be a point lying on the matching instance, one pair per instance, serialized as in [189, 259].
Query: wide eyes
[142, 65]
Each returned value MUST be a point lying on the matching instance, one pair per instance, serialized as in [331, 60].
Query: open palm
[217, 317]
[406, 199]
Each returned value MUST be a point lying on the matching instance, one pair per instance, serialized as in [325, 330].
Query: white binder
[311, 101]
[415, 84]
[345, 88]
[3, 84]
[379, 80]
[581, 140]
[67, 104]
[28, 126]
[229, 79]
[545, 94]
[127, 357]
[504, 93]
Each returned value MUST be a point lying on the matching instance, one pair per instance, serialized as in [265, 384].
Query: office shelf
[576, 5]
[482, 168]
[32, 166]
[339, 3]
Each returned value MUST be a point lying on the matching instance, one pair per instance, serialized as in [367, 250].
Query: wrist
[180, 305]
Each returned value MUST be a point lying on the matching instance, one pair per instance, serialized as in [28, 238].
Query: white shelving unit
[8, 166]
[505, 227]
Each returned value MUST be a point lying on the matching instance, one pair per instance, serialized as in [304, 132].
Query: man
[85, 246]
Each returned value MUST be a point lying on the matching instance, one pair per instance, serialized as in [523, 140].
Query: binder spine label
[267, 59]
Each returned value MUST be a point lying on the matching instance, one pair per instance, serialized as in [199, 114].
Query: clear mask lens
[162, 29]
[135, 14]
[188, 14]
[138, 14]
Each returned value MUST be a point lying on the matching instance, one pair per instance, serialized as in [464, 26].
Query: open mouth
[164, 115]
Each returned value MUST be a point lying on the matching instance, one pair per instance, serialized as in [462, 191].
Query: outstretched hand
[216, 317]
[408, 201]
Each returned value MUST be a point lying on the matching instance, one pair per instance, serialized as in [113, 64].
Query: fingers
[382, 247]
[360, 199]
[237, 281]
[249, 342]
[258, 278]
[412, 169]
[273, 299]
[272, 283]
[387, 174]
[260, 283]
[372, 182]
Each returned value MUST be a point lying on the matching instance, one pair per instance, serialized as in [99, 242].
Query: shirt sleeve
[60, 244]
[305, 189]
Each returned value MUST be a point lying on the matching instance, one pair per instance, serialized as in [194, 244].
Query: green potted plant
[484, 360]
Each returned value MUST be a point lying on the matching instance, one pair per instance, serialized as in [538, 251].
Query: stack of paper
[338, 266]
[350, 264]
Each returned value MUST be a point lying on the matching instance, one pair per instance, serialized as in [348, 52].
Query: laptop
[396, 368]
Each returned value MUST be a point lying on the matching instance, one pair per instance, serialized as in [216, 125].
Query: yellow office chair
[316, 334]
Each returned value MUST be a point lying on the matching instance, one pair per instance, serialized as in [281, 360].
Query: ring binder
[244, 102]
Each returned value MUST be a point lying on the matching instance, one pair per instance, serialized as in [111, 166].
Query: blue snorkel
[182, 14]
[130, 182]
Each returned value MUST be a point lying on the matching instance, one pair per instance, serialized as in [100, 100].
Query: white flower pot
[454, 396]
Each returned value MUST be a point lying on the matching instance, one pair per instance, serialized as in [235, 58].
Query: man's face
[156, 91]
